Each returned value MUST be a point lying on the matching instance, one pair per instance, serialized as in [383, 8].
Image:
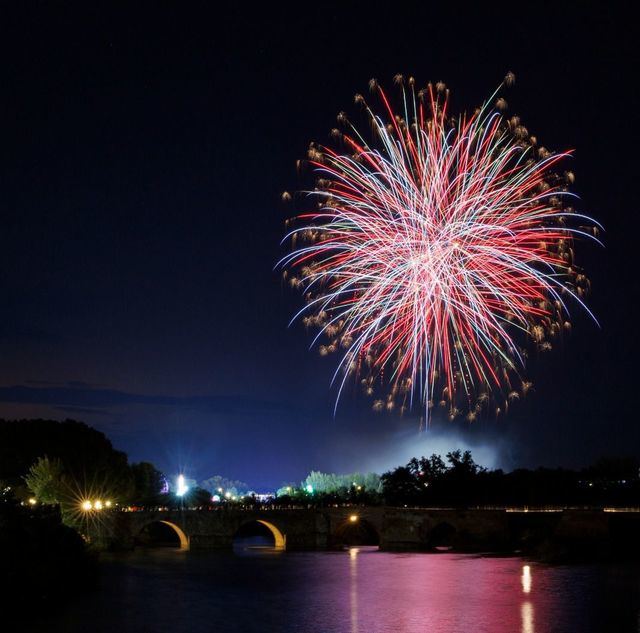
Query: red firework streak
[437, 250]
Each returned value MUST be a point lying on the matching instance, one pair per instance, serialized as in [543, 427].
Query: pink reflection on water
[353, 575]
[526, 578]
[526, 610]
[430, 593]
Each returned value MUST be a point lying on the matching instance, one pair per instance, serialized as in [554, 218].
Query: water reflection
[526, 579]
[361, 590]
[526, 611]
[255, 546]
[353, 574]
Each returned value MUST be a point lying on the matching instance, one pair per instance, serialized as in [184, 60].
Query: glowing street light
[32, 501]
[97, 505]
[107, 504]
[86, 505]
[353, 518]
[181, 486]
[309, 489]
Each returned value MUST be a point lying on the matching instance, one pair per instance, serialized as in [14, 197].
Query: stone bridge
[391, 528]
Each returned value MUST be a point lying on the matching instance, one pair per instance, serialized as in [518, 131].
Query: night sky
[143, 154]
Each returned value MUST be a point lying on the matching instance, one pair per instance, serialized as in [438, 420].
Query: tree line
[61, 463]
[458, 481]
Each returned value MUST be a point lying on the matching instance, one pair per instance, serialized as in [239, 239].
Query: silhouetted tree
[88, 458]
[148, 483]
[198, 497]
[461, 482]
[401, 487]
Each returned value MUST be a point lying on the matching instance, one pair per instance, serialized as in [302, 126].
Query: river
[359, 590]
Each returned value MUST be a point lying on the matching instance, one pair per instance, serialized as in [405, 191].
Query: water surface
[360, 590]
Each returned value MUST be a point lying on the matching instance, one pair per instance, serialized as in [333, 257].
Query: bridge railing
[280, 508]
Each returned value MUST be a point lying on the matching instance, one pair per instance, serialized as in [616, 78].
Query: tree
[46, 480]
[88, 458]
[198, 497]
[428, 469]
[287, 490]
[462, 464]
[219, 485]
[341, 485]
[148, 483]
[401, 487]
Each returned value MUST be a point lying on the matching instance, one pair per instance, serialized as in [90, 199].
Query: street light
[353, 518]
[86, 505]
[181, 486]
[97, 505]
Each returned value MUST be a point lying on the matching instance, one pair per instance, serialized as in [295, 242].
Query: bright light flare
[181, 486]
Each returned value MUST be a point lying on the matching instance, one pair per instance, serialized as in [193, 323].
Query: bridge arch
[183, 538]
[279, 538]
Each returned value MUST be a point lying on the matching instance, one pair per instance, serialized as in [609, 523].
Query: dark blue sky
[142, 155]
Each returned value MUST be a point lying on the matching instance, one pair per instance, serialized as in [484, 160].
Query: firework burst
[437, 251]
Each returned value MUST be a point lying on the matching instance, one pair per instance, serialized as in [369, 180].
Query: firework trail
[436, 251]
